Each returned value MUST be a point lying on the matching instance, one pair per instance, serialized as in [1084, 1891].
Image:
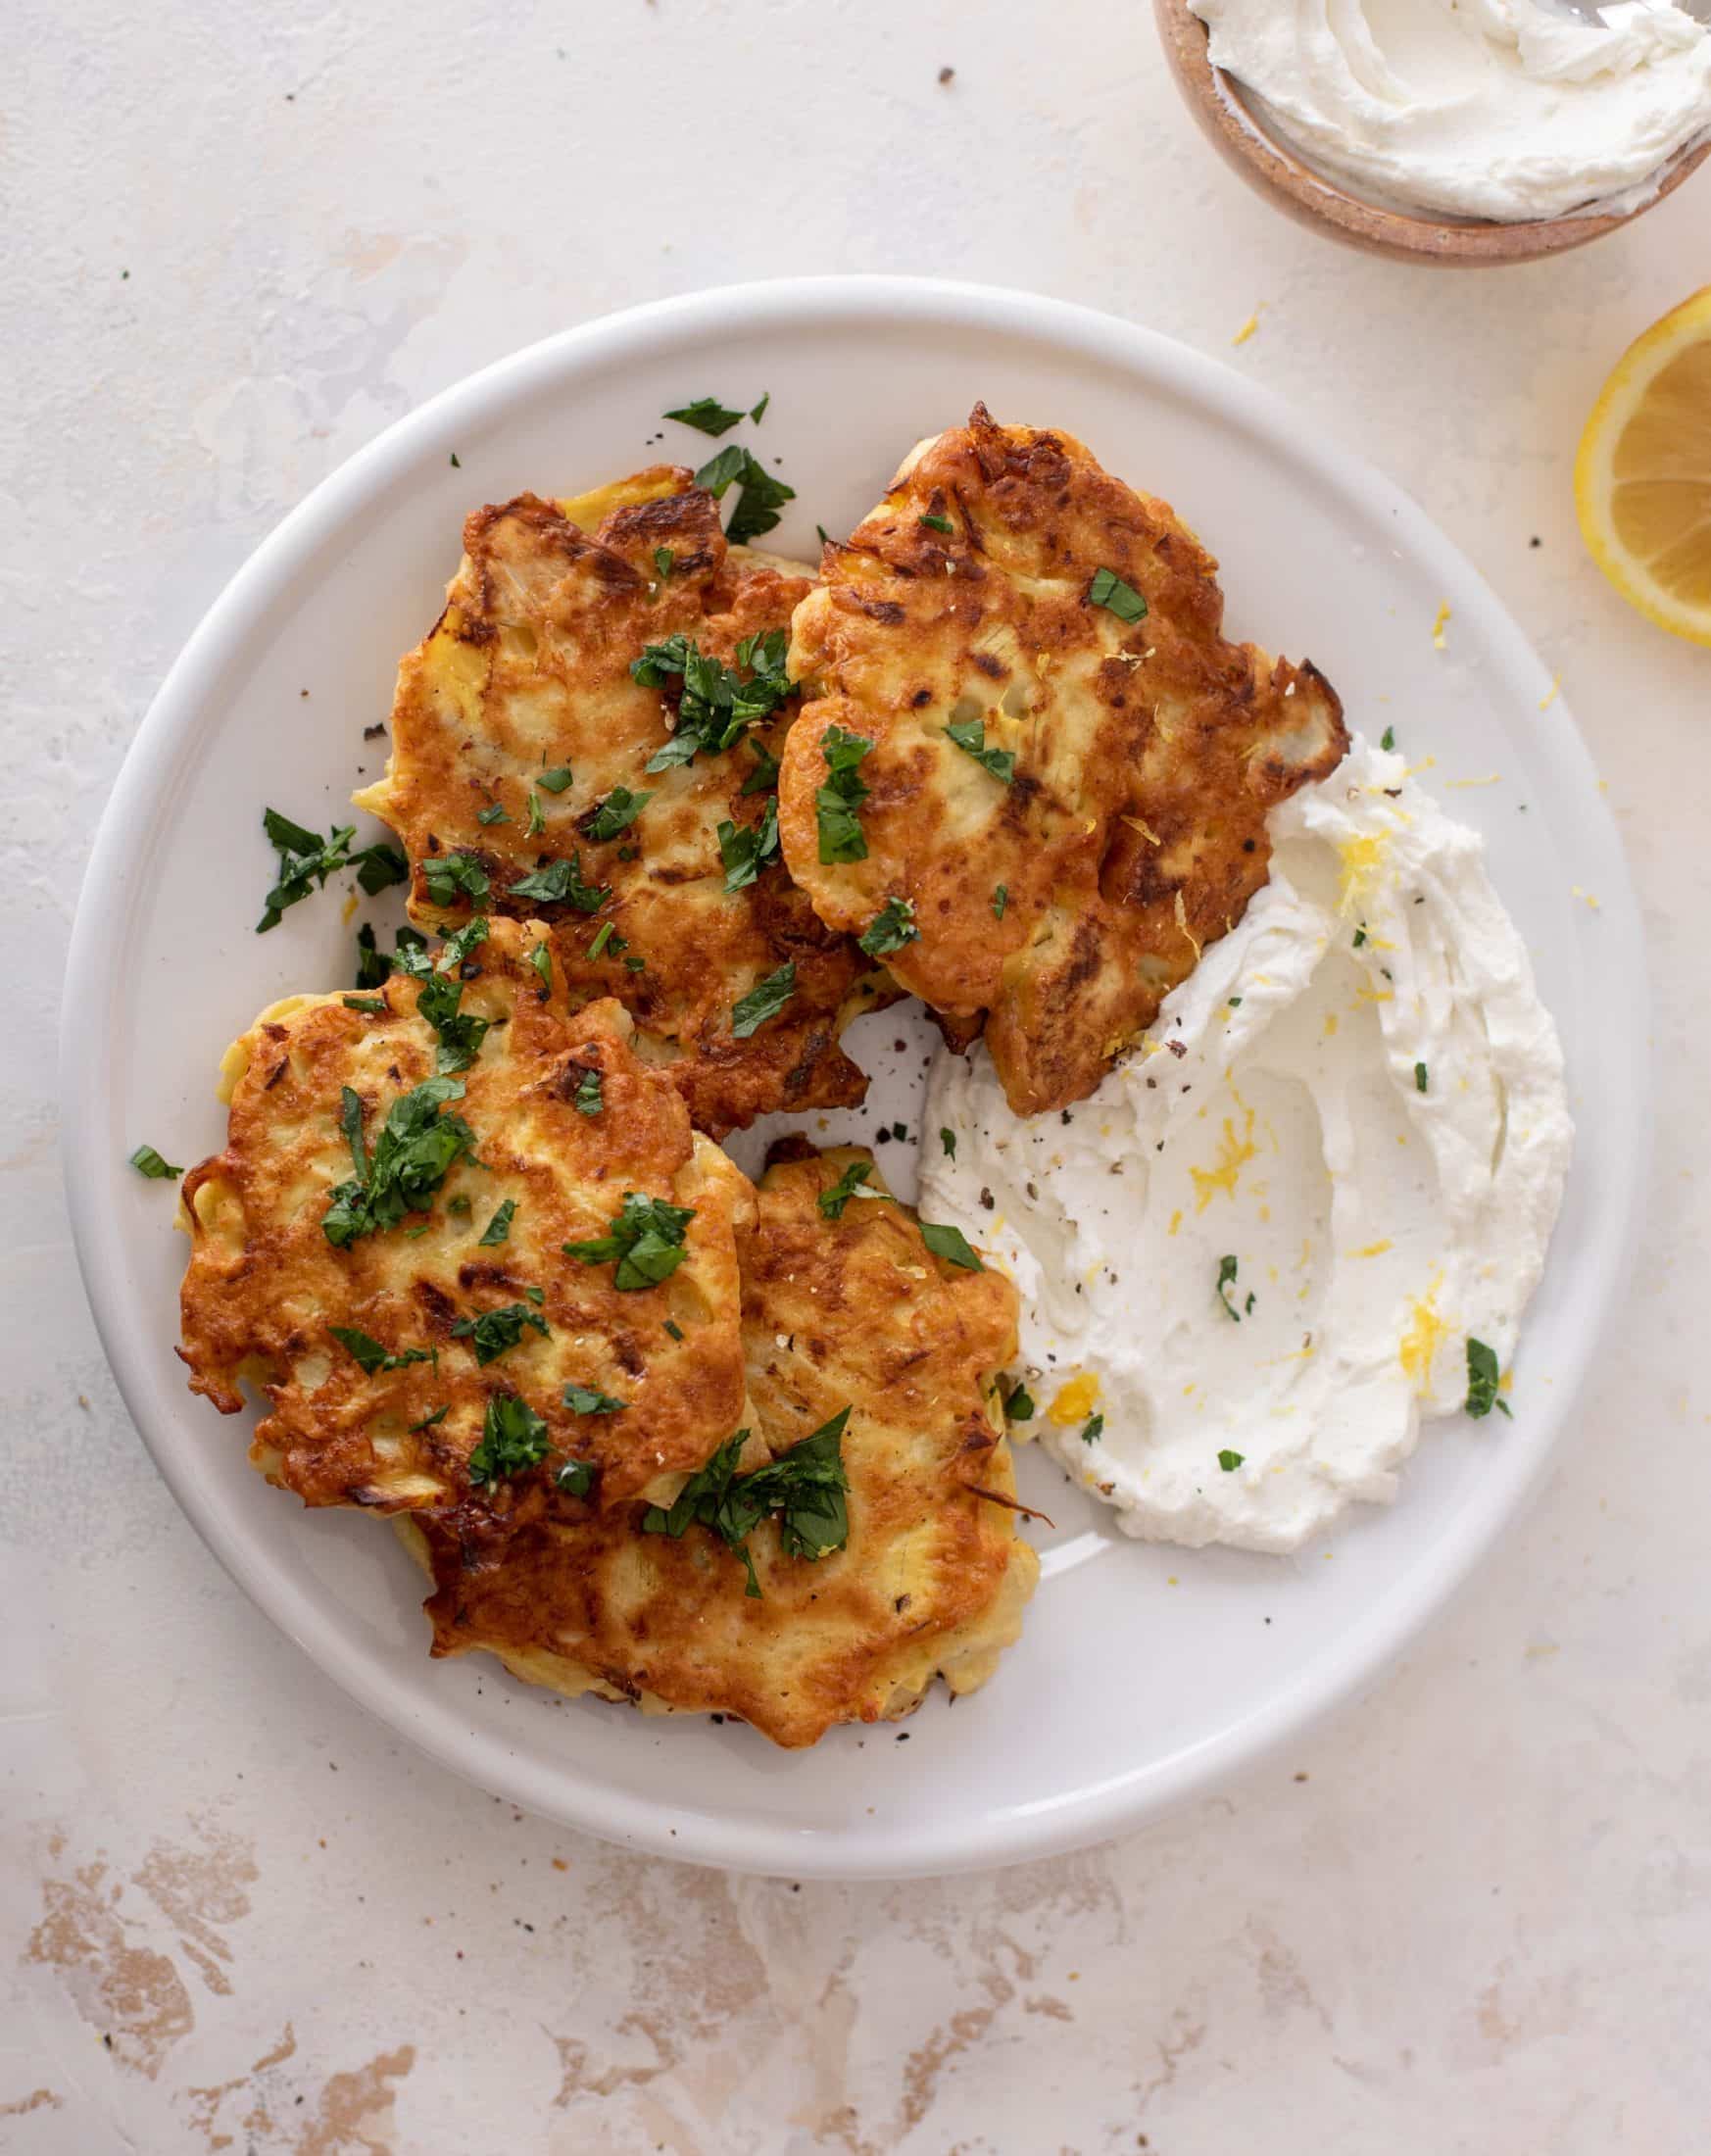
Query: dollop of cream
[1503, 109]
[1260, 1251]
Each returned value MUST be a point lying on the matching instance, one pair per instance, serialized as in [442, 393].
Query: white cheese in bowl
[1254, 1260]
[1501, 109]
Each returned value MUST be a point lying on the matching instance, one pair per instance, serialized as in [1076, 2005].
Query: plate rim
[568, 1794]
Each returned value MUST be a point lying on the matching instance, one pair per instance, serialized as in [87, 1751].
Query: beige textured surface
[235, 1915]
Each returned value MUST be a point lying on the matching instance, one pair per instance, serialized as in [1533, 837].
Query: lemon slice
[1642, 475]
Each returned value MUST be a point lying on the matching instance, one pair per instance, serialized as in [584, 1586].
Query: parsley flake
[952, 1245]
[1108, 590]
[936, 522]
[576, 1478]
[893, 926]
[147, 1161]
[664, 562]
[1093, 1429]
[747, 847]
[497, 1229]
[1388, 739]
[587, 1399]
[541, 958]
[948, 1139]
[590, 1094]
[1483, 1379]
[417, 1145]
[717, 704]
[556, 781]
[804, 1487]
[765, 1000]
[1226, 1281]
[451, 876]
[1019, 1407]
[644, 1243]
[376, 1006]
[763, 493]
[1001, 897]
[1230, 1461]
[615, 813]
[837, 803]
[969, 735]
[494, 812]
[1419, 1077]
[561, 883]
[372, 1354]
[494, 1332]
[513, 1438]
[307, 860]
[707, 416]
[836, 1196]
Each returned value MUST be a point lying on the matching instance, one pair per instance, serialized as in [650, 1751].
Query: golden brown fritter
[850, 1313]
[562, 1120]
[1101, 815]
[520, 707]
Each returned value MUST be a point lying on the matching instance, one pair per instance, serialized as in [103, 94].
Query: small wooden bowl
[1274, 171]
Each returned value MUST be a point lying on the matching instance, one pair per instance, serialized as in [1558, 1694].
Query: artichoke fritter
[523, 746]
[1029, 767]
[850, 1313]
[379, 1251]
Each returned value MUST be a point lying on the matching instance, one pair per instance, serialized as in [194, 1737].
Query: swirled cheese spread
[1502, 109]
[1309, 1212]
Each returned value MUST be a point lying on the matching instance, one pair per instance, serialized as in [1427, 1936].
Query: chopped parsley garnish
[1482, 1379]
[494, 812]
[1108, 590]
[747, 847]
[615, 813]
[537, 1296]
[448, 876]
[1001, 897]
[636, 966]
[427, 1421]
[805, 1486]
[839, 799]
[758, 413]
[415, 1148]
[1230, 1461]
[561, 883]
[588, 1399]
[763, 494]
[1093, 1427]
[603, 935]
[541, 958]
[461, 1033]
[1388, 739]
[496, 1331]
[459, 944]
[590, 1094]
[1019, 1407]
[370, 1353]
[1226, 1281]
[763, 778]
[836, 1196]
[952, 1245]
[948, 1139]
[664, 562]
[936, 524]
[645, 1243]
[1359, 938]
[456, 466]
[576, 1478]
[707, 416]
[893, 926]
[374, 967]
[497, 1229]
[718, 703]
[554, 782]
[374, 1005]
[537, 816]
[765, 1000]
[147, 1161]
[1419, 1077]
[307, 860]
[969, 735]
[676, 1331]
[513, 1438]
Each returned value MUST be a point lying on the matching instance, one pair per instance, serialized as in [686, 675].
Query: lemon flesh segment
[1642, 480]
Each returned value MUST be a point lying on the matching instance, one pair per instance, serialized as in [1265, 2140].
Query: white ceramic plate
[1145, 1675]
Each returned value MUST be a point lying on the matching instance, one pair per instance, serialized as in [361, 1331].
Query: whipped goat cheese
[1253, 1261]
[1503, 109]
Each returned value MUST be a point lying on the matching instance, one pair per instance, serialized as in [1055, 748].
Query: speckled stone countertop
[1473, 1915]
